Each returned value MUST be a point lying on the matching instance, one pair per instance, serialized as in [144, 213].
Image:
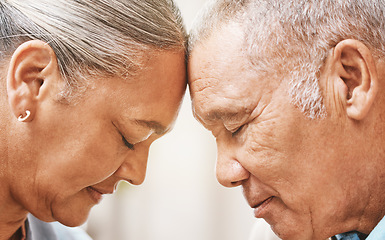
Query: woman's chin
[71, 217]
[73, 222]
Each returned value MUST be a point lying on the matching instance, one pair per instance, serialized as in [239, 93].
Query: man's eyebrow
[217, 114]
[156, 126]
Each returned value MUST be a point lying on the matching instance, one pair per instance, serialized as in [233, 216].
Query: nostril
[129, 181]
[236, 183]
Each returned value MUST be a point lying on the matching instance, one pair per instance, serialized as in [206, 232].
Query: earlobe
[30, 66]
[356, 70]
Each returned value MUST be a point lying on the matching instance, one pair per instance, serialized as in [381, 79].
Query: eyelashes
[239, 130]
[124, 140]
[128, 145]
[233, 134]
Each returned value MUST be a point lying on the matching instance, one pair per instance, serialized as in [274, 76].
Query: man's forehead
[221, 79]
[216, 99]
[216, 51]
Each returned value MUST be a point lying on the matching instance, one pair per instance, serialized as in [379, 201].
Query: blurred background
[180, 198]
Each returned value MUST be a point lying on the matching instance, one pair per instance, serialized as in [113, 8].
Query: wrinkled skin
[316, 171]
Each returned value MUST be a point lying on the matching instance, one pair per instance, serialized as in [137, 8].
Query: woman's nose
[133, 169]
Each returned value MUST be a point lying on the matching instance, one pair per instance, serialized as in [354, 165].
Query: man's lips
[262, 207]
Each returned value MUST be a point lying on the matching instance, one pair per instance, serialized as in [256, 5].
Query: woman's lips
[262, 208]
[95, 195]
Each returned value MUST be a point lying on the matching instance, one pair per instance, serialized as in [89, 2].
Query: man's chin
[288, 233]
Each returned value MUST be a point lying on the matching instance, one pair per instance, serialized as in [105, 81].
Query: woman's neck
[10, 230]
[17, 235]
[12, 215]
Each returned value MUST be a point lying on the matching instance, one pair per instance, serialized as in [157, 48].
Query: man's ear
[355, 69]
[31, 65]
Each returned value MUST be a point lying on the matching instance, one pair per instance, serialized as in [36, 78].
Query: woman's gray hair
[291, 39]
[107, 37]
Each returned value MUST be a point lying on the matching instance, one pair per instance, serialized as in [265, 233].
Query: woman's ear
[31, 66]
[357, 81]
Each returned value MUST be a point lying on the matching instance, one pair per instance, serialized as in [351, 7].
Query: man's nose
[133, 169]
[229, 171]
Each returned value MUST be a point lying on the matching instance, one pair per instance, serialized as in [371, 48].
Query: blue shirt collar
[377, 233]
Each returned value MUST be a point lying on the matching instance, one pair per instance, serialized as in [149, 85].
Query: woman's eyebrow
[154, 125]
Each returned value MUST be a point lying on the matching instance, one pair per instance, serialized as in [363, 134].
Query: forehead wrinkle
[202, 84]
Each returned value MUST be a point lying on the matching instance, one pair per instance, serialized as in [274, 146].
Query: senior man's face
[290, 167]
[82, 150]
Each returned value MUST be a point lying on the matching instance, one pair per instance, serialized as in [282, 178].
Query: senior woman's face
[80, 151]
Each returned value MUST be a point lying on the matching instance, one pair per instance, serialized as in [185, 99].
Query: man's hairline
[204, 35]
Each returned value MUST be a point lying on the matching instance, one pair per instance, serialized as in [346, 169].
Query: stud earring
[23, 119]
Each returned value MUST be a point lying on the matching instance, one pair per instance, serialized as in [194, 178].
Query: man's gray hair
[93, 37]
[291, 39]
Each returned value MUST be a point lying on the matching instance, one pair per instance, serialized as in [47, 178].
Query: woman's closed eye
[129, 145]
